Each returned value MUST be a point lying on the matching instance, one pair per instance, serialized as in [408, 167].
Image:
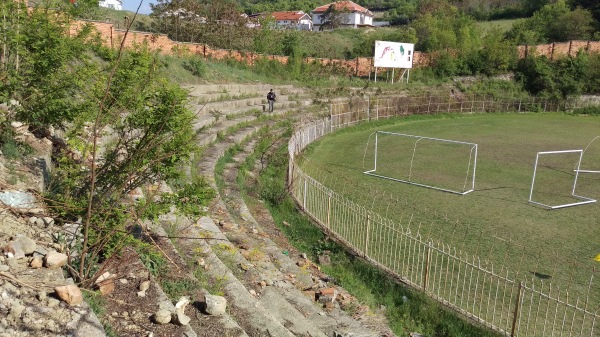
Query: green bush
[195, 66]
[590, 110]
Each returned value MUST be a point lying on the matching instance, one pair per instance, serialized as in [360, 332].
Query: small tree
[333, 18]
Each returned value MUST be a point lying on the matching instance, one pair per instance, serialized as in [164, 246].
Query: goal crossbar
[584, 200]
[472, 158]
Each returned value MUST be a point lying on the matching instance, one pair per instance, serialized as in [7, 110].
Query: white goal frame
[468, 179]
[588, 171]
[584, 200]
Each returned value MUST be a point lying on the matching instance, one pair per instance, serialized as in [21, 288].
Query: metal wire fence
[489, 294]
[360, 109]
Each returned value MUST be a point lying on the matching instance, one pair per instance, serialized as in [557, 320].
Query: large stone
[106, 287]
[37, 262]
[18, 199]
[144, 286]
[162, 316]
[54, 260]
[181, 318]
[13, 249]
[27, 244]
[71, 294]
[215, 305]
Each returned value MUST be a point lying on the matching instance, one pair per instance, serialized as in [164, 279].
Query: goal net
[440, 164]
[555, 180]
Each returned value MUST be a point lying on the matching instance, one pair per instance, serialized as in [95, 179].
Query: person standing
[271, 97]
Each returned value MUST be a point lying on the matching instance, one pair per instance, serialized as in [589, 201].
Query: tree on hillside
[402, 13]
[333, 18]
[591, 5]
[554, 23]
[217, 22]
[70, 81]
[532, 6]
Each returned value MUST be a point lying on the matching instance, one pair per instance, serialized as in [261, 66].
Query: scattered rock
[48, 221]
[18, 199]
[310, 294]
[141, 294]
[123, 281]
[181, 318]
[105, 277]
[71, 294]
[327, 295]
[14, 250]
[182, 303]
[325, 260]
[27, 244]
[37, 262]
[215, 305]
[252, 292]
[144, 286]
[53, 302]
[4, 268]
[162, 316]
[55, 260]
[16, 308]
[106, 287]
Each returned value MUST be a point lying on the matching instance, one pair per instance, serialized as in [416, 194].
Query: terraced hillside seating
[268, 292]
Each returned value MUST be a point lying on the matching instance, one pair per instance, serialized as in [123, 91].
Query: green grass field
[496, 221]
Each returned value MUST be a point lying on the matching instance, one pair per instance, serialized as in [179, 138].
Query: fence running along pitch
[491, 295]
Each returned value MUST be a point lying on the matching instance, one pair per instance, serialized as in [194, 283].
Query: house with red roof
[350, 15]
[293, 20]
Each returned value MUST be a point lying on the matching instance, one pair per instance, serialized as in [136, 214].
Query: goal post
[590, 152]
[439, 164]
[555, 177]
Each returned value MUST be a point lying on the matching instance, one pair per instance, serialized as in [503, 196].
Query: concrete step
[223, 92]
[244, 306]
[200, 322]
[258, 237]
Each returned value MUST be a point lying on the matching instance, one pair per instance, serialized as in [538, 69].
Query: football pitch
[496, 221]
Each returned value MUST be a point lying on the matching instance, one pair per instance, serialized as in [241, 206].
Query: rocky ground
[229, 273]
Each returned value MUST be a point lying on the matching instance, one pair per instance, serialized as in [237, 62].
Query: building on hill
[341, 14]
[112, 4]
[292, 20]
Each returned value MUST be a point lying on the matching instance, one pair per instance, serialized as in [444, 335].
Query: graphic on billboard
[393, 54]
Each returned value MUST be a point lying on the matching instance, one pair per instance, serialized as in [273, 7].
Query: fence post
[369, 108]
[427, 266]
[429, 105]
[329, 210]
[367, 235]
[517, 308]
[305, 189]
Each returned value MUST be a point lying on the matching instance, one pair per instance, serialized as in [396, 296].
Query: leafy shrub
[195, 66]
[590, 110]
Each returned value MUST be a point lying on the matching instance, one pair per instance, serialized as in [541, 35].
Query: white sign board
[393, 54]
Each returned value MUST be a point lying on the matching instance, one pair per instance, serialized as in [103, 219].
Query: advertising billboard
[393, 54]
